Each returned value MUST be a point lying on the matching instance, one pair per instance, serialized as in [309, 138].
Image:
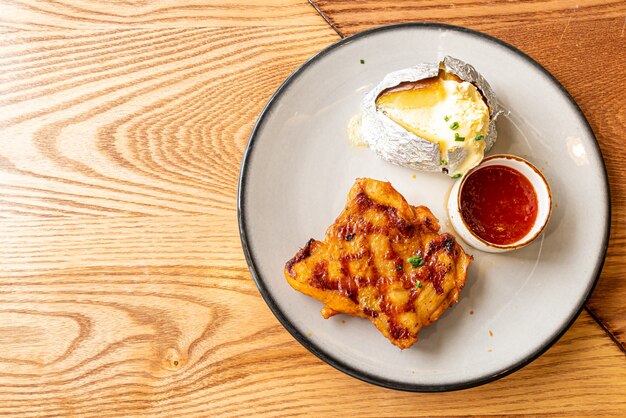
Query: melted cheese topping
[433, 109]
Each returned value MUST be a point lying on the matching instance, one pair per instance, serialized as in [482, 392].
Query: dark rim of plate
[330, 358]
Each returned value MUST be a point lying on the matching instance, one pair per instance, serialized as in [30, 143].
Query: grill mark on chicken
[436, 269]
[370, 243]
[443, 241]
[370, 312]
[302, 254]
[319, 276]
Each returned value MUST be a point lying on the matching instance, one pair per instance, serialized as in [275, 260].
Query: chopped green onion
[399, 267]
[478, 137]
[456, 176]
[416, 261]
[454, 126]
[419, 284]
[362, 61]
[446, 118]
[444, 162]
[458, 137]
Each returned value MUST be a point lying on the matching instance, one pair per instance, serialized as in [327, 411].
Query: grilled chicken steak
[383, 260]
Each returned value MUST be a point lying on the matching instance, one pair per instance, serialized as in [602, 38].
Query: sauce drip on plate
[499, 204]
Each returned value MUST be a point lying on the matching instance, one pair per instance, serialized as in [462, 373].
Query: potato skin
[393, 143]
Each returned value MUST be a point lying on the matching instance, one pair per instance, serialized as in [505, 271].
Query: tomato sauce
[499, 204]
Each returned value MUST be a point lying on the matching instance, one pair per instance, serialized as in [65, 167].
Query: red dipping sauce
[499, 204]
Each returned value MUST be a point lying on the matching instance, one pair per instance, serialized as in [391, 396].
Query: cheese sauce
[499, 204]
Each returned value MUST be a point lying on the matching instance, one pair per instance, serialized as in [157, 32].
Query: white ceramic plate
[299, 166]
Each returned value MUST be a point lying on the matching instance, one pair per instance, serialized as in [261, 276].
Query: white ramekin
[544, 201]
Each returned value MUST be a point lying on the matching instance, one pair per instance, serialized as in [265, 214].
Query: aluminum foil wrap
[398, 146]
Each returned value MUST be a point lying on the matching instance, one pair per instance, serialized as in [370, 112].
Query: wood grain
[354, 16]
[137, 122]
[582, 44]
[123, 288]
[124, 14]
[154, 316]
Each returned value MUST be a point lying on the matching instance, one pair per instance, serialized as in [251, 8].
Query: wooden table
[123, 286]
